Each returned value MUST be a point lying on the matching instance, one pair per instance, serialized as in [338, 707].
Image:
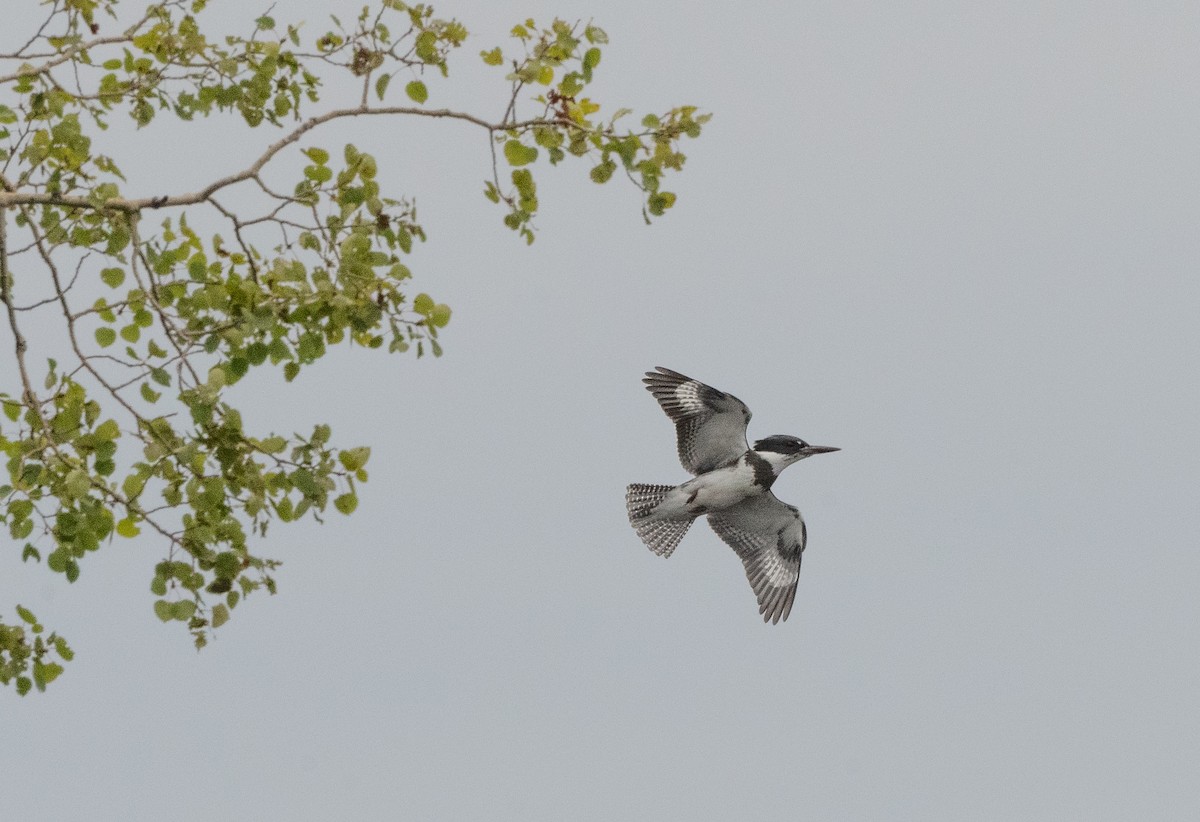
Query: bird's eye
[801, 444]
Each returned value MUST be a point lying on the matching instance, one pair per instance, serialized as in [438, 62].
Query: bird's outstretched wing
[769, 536]
[709, 424]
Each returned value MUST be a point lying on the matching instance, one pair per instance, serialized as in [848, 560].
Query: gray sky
[958, 240]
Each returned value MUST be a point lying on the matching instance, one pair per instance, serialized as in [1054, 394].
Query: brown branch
[70, 318]
[31, 397]
[177, 338]
[11, 196]
[19, 343]
[33, 38]
[69, 54]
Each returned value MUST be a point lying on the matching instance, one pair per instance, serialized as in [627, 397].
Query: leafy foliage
[19, 659]
[137, 435]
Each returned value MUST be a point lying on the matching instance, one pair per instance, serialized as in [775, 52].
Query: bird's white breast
[721, 488]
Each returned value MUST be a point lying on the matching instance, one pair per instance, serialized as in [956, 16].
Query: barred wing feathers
[769, 537]
[710, 425]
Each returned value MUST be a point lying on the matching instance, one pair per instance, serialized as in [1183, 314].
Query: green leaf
[318, 155]
[113, 277]
[303, 480]
[311, 347]
[603, 172]
[660, 202]
[26, 616]
[440, 315]
[128, 528]
[220, 615]
[416, 91]
[45, 672]
[108, 430]
[273, 445]
[571, 84]
[216, 378]
[183, 609]
[257, 353]
[493, 58]
[227, 565]
[131, 333]
[133, 485]
[423, 304]
[381, 85]
[148, 393]
[198, 266]
[523, 180]
[105, 336]
[20, 509]
[346, 503]
[426, 46]
[354, 458]
[548, 137]
[164, 610]
[519, 154]
[64, 650]
[77, 483]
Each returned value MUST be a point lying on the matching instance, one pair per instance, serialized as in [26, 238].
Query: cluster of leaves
[137, 435]
[562, 60]
[19, 658]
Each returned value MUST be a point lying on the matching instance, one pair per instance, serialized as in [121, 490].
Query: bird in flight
[732, 486]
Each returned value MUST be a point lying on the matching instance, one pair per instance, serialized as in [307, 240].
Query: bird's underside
[767, 534]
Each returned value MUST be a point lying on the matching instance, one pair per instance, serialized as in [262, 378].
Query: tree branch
[11, 196]
[6, 297]
[70, 53]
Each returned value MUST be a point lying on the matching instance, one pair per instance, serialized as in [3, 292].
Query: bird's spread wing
[710, 424]
[769, 536]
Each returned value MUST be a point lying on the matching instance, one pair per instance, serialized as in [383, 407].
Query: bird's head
[782, 450]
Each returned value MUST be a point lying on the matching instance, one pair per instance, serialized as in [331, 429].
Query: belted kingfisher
[732, 486]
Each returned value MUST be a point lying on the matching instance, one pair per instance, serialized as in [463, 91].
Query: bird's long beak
[822, 449]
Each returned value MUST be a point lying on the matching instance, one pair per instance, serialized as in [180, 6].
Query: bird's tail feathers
[661, 536]
[641, 499]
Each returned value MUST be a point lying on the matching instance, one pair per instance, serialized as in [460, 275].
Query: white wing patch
[687, 395]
